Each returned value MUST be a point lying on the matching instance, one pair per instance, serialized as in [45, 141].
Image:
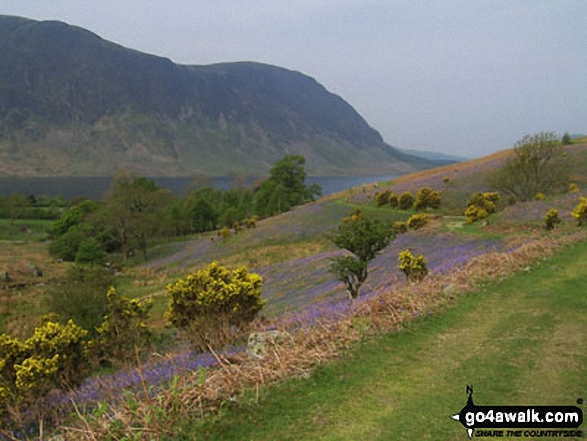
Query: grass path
[521, 341]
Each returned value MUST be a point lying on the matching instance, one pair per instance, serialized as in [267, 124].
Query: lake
[95, 187]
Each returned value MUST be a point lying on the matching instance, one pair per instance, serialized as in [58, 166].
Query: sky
[460, 77]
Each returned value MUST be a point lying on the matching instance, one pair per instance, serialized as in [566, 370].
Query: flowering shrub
[54, 357]
[580, 212]
[124, 328]
[393, 200]
[224, 232]
[208, 302]
[382, 198]
[427, 198]
[475, 213]
[552, 219]
[406, 200]
[487, 201]
[573, 188]
[539, 196]
[400, 227]
[417, 221]
[413, 267]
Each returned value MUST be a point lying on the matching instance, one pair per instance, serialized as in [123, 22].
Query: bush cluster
[552, 219]
[427, 198]
[414, 267]
[417, 221]
[480, 205]
[124, 329]
[209, 305]
[406, 200]
[580, 212]
[54, 357]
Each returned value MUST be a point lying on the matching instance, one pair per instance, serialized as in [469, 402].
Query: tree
[364, 237]
[566, 140]
[134, 206]
[537, 166]
[285, 188]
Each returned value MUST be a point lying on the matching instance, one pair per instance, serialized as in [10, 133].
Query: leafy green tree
[364, 237]
[133, 208]
[72, 217]
[285, 188]
[538, 165]
[89, 251]
[66, 246]
[566, 140]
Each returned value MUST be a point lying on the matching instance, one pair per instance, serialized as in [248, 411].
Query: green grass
[24, 229]
[518, 342]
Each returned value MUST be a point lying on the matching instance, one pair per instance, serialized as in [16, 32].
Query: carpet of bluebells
[304, 290]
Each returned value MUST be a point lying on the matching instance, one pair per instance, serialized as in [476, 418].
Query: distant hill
[72, 103]
[435, 156]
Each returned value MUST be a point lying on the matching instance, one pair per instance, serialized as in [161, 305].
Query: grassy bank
[518, 342]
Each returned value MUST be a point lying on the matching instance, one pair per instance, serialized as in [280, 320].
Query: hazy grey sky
[464, 77]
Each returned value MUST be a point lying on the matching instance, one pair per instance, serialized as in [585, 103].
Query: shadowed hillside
[72, 103]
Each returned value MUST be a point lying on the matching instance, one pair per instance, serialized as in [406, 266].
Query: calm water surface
[95, 187]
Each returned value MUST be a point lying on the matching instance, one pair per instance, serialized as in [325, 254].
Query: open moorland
[501, 307]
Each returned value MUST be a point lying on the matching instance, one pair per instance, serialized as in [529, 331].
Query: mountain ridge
[73, 103]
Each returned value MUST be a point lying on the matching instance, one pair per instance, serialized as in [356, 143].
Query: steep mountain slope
[72, 103]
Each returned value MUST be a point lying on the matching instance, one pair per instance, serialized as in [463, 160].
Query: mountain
[72, 103]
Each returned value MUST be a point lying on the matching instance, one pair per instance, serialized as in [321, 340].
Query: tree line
[135, 210]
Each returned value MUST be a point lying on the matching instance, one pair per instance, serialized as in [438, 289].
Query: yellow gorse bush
[215, 291]
[414, 267]
[53, 357]
[580, 211]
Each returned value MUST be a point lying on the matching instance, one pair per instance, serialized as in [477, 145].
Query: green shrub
[414, 267]
[417, 221]
[65, 247]
[89, 251]
[406, 200]
[539, 196]
[208, 303]
[580, 212]
[552, 219]
[475, 213]
[124, 329]
[427, 198]
[81, 296]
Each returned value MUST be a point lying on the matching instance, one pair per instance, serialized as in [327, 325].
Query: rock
[259, 343]
[450, 289]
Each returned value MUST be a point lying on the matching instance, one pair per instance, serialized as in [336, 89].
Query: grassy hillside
[517, 342]
[498, 337]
